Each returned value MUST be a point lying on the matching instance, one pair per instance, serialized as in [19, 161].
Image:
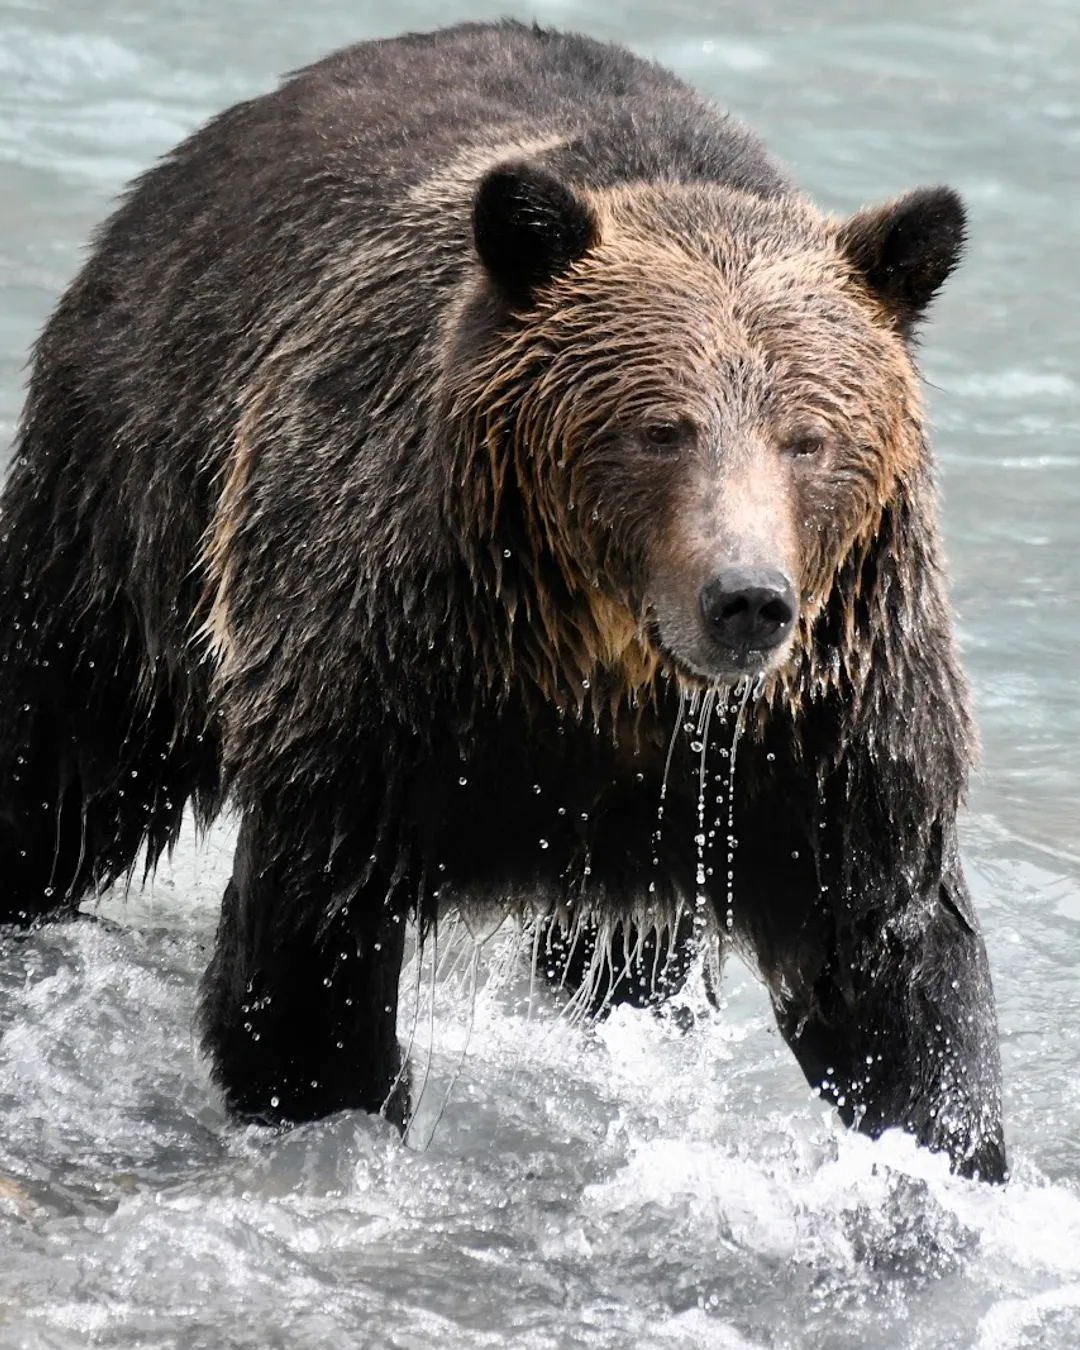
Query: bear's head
[687, 406]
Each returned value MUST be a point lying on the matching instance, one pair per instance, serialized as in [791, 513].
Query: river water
[636, 1184]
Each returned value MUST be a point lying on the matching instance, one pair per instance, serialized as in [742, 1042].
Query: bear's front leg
[299, 1003]
[890, 1011]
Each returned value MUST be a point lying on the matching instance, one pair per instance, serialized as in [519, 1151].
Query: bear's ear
[905, 249]
[529, 227]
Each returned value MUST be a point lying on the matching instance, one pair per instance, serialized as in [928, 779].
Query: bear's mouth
[725, 673]
[720, 667]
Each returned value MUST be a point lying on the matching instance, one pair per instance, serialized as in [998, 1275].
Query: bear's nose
[748, 608]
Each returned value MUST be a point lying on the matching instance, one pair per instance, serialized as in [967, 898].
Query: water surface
[637, 1184]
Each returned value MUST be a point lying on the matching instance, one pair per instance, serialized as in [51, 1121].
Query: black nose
[748, 608]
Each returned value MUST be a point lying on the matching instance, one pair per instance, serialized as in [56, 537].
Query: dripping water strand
[744, 687]
[474, 967]
[531, 932]
[658, 832]
[407, 1056]
[419, 1096]
[701, 746]
[671, 747]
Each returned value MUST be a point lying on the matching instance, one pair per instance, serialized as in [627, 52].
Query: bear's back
[618, 118]
[375, 121]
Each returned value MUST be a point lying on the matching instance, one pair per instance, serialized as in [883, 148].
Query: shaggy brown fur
[415, 441]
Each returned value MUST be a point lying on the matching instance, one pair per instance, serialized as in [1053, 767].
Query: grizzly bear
[477, 464]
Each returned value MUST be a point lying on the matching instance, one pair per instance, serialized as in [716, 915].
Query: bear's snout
[747, 611]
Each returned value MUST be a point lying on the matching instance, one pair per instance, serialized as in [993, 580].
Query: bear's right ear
[529, 228]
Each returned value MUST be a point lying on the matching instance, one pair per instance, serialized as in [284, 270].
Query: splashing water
[634, 1183]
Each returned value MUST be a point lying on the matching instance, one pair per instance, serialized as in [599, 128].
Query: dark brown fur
[371, 476]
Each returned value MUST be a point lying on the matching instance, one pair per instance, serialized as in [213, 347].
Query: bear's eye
[802, 446]
[667, 434]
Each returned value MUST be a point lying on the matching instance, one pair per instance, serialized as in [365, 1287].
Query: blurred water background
[636, 1184]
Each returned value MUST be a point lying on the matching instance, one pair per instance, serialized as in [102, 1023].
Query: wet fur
[295, 518]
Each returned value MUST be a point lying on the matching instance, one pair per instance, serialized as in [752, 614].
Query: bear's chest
[533, 810]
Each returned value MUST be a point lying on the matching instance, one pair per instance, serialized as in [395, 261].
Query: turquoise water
[632, 1185]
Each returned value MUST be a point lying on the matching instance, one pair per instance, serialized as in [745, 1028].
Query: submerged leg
[298, 1010]
[895, 1023]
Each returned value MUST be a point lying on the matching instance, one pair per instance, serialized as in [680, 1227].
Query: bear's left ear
[529, 227]
[905, 250]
